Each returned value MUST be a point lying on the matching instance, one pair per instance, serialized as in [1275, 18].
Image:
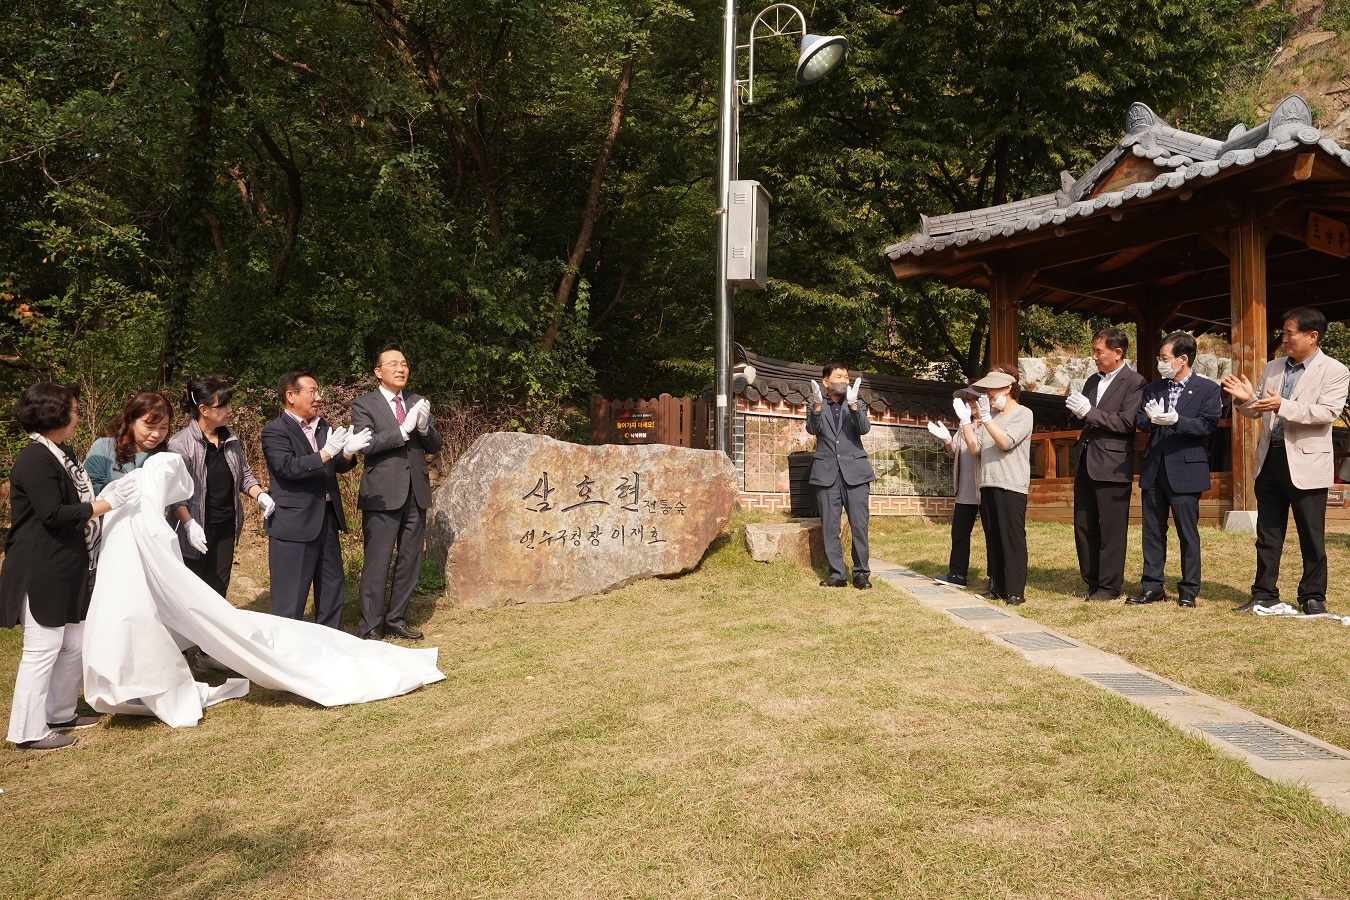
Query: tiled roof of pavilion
[1183, 156]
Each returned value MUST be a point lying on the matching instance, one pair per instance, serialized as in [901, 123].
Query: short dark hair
[382, 350]
[291, 382]
[45, 406]
[1114, 338]
[831, 366]
[205, 390]
[1182, 344]
[1307, 319]
[147, 403]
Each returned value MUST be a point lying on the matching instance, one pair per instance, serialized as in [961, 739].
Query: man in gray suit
[841, 472]
[395, 493]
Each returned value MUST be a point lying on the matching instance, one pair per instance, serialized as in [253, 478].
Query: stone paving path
[1270, 749]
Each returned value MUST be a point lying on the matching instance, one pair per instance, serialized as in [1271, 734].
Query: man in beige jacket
[1297, 399]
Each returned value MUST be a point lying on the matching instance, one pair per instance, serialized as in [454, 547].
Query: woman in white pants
[48, 572]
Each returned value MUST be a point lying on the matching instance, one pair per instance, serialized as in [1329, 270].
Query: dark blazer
[45, 556]
[1181, 447]
[391, 465]
[1106, 443]
[299, 479]
[839, 451]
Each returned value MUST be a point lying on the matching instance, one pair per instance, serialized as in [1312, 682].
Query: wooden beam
[1303, 166]
[1004, 292]
[1247, 280]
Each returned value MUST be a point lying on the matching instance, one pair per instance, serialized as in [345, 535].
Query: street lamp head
[820, 54]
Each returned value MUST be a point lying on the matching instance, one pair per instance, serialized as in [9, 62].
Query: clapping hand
[357, 441]
[816, 397]
[1159, 416]
[1271, 402]
[423, 415]
[852, 396]
[337, 438]
[962, 410]
[939, 431]
[1239, 387]
[1077, 404]
[982, 406]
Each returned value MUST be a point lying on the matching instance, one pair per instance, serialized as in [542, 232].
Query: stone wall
[1060, 374]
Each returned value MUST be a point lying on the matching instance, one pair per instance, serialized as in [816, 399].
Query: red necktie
[399, 412]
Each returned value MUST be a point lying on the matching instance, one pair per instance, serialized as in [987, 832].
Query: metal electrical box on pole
[748, 239]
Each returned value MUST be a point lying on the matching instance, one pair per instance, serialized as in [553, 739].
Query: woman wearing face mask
[1004, 451]
[139, 430]
[966, 483]
[212, 519]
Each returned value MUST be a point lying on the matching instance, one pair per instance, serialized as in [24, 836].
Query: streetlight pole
[819, 54]
[724, 295]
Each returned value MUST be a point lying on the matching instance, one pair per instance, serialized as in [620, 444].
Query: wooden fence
[679, 421]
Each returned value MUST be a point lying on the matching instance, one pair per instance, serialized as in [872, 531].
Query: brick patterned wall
[937, 507]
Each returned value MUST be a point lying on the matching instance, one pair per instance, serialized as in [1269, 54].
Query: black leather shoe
[1186, 600]
[403, 631]
[861, 582]
[1101, 597]
[1014, 600]
[1312, 607]
[1147, 597]
[374, 634]
[834, 582]
[1252, 604]
[993, 595]
[954, 580]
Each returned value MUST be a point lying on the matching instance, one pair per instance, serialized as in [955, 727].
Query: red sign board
[1328, 235]
[635, 427]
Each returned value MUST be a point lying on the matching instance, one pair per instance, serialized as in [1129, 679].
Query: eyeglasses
[318, 395]
[394, 366]
[1167, 359]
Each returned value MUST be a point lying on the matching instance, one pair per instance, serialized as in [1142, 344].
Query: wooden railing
[679, 421]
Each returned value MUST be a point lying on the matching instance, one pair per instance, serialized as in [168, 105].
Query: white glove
[1159, 417]
[357, 441]
[123, 490]
[939, 431]
[1077, 404]
[423, 415]
[337, 438]
[267, 503]
[982, 405]
[410, 418]
[1153, 408]
[816, 396]
[196, 535]
[962, 410]
[852, 396]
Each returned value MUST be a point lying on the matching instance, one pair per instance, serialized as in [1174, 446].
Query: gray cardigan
[187, 443]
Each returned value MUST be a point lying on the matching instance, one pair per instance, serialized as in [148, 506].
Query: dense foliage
[521, 192]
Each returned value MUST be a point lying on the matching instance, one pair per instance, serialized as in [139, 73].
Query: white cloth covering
[147, 606]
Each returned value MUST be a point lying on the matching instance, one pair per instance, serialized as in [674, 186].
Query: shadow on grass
[215, 853]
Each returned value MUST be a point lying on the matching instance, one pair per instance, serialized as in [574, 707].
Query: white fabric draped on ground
[147, 606]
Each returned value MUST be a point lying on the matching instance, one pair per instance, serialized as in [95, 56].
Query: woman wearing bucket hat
[1004, 451]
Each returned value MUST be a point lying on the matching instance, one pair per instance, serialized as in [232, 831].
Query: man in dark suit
[1108, 405]
[841, 472]
[395, 492]
[1181, 410]
[304, 456]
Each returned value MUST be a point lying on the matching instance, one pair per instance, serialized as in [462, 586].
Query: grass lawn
[1293, 671]
[737, 732]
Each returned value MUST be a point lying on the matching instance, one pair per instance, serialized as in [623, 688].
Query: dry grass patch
[735, 732]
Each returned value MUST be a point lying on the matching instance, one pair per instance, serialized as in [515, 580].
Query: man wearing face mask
[841, 472]
[1108, 405]
[1181, 410]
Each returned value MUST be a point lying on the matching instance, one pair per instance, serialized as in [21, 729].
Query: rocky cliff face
[1060, 374]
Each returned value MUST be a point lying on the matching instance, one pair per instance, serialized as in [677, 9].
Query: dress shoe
[1312, 607]
[1186, 600]
[994, 595]
[50, 742]
[403, 631]
[1014, 599]
[861, 582]
[954, 580]
[1146, 597]
[211, 664]
[77, 722]
[1101, 597]
[374, 634]
[834, 582]
[1252, 604]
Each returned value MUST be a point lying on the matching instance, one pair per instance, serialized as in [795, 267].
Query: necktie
[399, 412]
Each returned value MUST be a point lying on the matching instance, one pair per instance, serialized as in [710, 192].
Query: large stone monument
[523, 518]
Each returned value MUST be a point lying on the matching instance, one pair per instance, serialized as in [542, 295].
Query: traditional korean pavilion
[1172, 231]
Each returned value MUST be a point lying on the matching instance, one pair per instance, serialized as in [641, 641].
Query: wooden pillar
[1147, 340]
[1247, 286]
[1003, 296]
